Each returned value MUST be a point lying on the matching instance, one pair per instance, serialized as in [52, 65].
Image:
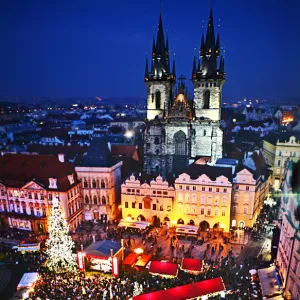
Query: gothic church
[179, 130]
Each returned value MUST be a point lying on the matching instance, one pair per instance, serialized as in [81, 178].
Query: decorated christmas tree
[60, 244]
[136, 289]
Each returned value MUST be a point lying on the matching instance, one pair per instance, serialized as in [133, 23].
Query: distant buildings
[288, 255]
[278, 148]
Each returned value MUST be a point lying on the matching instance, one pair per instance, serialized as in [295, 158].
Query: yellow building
[203, 197]
[278, 148]
[147, 200]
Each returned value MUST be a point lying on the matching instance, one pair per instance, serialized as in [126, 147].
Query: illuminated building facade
[278, 149]
[203, 197]
[29, 183]
[148, 199]
[180, 130]
[288, 255]
[100, 176]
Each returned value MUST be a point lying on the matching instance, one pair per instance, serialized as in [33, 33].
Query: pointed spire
[153, 47]
[146, 69]
[202, 47]
[160, 40]
[174, 68]
[210, 34]
[199, 66]
[222, 65]
[194, 72]
[218, 45]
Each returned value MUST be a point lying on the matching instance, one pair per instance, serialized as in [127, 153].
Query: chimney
[61, 157]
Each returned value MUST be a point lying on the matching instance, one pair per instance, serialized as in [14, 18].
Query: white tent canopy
[269, 281]
[28, 280]
[186, 229]
[134, 224]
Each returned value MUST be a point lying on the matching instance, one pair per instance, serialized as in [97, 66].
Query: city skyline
[58, 51]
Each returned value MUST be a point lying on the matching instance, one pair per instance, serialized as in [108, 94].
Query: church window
[180, 143]
[156, 141]
[102, 184]
[157, 99]
[103, 200]
[94, 183]
[204, 132]
[157, 152]
[206, 99]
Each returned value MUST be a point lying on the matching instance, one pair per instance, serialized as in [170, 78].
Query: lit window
[194, 188]
[245, 210]
[154, 207]
[203, 189]
[217, 190]
[126, 204]
[216, 212]
[210, 189]
[180, 187]
[187, 188]
[225, 190]
[140, 205]
[223, 213]
[133, 204]
[247, 188]
[208, 211]
[202, 210]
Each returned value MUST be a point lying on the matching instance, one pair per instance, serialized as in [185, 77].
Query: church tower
[208, 78]
[160, 79]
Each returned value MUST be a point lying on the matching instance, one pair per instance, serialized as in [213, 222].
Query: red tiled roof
[128, 151]
[18, 169]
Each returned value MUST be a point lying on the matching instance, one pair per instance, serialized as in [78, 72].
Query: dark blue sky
[97, 48]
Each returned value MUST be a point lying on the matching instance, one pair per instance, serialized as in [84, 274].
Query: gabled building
[278, 149]
[29, 183]
[100, 176]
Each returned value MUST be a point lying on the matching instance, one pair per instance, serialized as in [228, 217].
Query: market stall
[204, 288]
[101, 256]
[28, 280]
[191, 265]
[269, 282]
[27, 247]
[164, 269]
[187, 230]
[143, 261]
[130, 260]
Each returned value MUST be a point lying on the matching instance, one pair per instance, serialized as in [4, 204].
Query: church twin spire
[209, 55]
[160, 67]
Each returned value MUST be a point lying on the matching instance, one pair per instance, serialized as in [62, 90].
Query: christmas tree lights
[60, 244]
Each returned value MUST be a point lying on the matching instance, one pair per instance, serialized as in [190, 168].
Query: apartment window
[217, 190]
[203, 189]
[187, 198]
[42, 197]
[29, 196]
[246, 198]
[154, 192]
[234, 209]
[216, 212]
[154, 206]
[169, 208]
[247, 188]
[223, 212]
[179, 207]
[202, 210]
[245, 210]
[224, 200]
[128, 190]
[44, 212]
[158, 192]
[38, 213]
[126, 204]
[180, 187]
[50, 197]
[236, 187]
[203, 200]
[31, 211]
[209, 211]
[187, 209]
[193, 209]
[137, 191]
[216, 200]
[180, 197]
[194, 188]
[225, 191]
[161, 208]
[210, 189]
[133, 204]
[187, 188]
[140, 205]
[194, 199]
[209, 200]
[165, 193]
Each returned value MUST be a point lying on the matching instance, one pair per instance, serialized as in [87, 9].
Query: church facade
[179, 130]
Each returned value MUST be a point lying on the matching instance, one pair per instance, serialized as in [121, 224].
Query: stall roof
[191, 264]
[269, 281]
[130, 259]
[163, 268]
[102, 248]
[143, 261]
[28, 280]
[188, 291]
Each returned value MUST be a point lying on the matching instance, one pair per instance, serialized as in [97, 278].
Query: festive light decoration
[60, 244]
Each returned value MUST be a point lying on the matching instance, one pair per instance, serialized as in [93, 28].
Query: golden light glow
[138, 251]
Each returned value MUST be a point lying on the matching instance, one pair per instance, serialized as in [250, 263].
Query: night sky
[97, 48]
